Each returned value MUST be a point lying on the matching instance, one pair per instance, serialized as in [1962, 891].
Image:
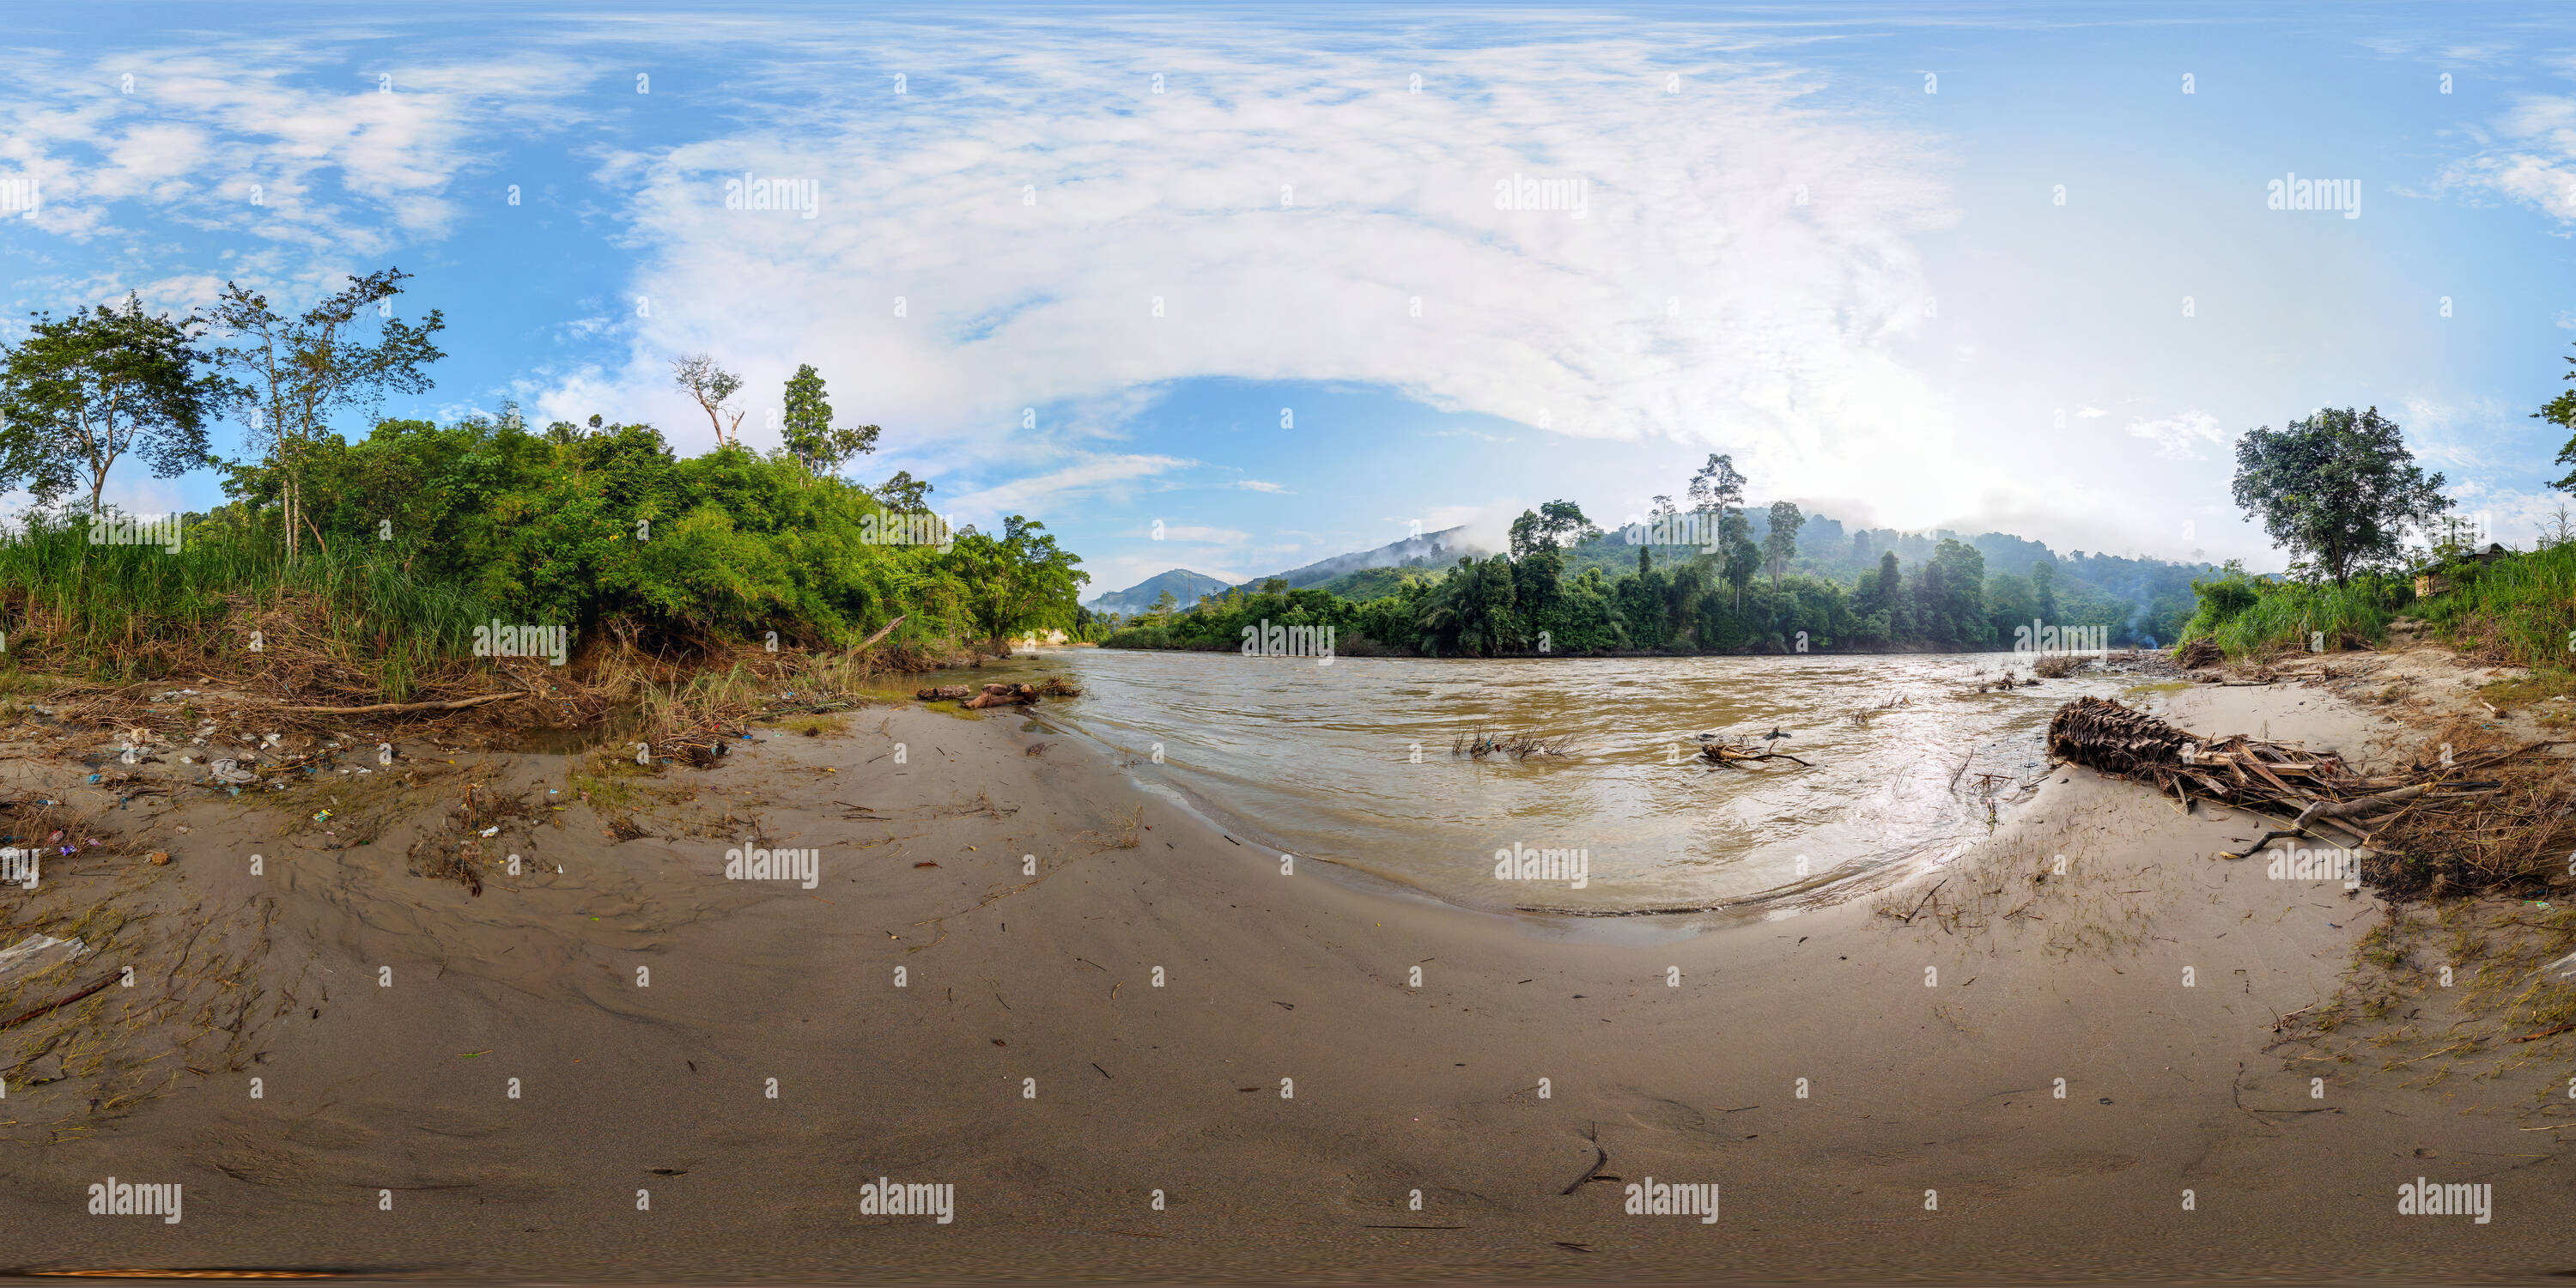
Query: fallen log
[1003, 695]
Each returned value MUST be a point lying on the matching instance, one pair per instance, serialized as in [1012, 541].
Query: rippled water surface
[1352, 763]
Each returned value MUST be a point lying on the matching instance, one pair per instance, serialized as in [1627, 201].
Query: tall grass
[2521, 610]
[2258, 616]
[132, 612]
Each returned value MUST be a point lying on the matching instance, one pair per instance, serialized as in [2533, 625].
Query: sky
[1236, 288]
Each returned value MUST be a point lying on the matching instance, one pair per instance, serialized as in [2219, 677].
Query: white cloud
[2180, 438]
[1087, 475]
[2535, 161]
[2512, 516]
[1257, 485]
[1287, 202]
[2091, 413]
[283, 144]
[2463, 432]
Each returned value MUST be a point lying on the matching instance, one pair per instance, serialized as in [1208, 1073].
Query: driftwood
[1731, 751]
[997, 695]
[1003, 695]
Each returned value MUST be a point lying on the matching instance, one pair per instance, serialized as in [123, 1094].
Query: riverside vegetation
[1774, 580]
[359, 571]
[2338, 490]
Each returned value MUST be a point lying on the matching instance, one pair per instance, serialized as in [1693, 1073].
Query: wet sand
[1288, 1088]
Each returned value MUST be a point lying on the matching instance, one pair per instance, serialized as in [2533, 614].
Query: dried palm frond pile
[2432, 829]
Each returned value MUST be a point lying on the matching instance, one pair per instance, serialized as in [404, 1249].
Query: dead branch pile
[2406, 816]
[1518, 746]
[2199, 653]
[2057, 666]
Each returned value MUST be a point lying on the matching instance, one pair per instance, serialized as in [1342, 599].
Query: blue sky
[1827, 239]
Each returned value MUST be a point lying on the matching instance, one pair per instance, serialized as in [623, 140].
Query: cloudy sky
[1290, 286]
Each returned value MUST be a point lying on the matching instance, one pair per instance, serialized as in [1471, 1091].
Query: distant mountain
[1438, 550]
[1186, 587]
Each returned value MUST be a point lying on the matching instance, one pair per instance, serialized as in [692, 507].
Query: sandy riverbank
[2148, 976]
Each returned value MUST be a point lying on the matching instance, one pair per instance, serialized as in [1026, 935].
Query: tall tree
[2043, 588]
[1563, 521]
[1021, 580]
[1717, 486]
[1717, 492]
[2561, 411]
[1549, 527]
[807, 431]
[298, 372]
[1780, 544]
[2337, 489]
[82, 392]
[711, 387]
[1889, 584]
[903, 492]
[1739, 557]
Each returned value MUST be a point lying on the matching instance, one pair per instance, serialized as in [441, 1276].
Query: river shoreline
[1160, 1009]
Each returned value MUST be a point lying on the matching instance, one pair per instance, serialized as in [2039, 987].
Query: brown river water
[1350, 763]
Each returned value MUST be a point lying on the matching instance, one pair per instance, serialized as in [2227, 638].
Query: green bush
[611, 531]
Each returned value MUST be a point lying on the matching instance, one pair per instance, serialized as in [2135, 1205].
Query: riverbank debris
[2198, 654]
[1732, 752]
[2403, 827]
[1518, 746]
[1003, 695]
[998, 695]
